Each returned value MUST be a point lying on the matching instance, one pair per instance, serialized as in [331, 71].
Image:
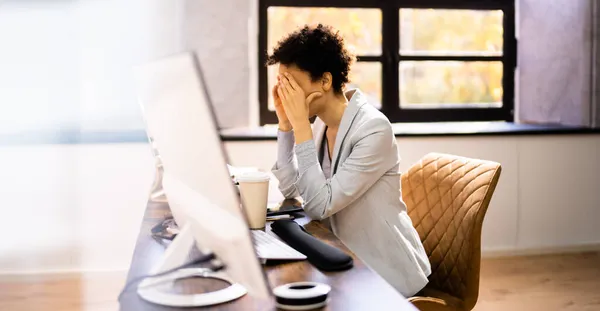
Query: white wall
[71, 207]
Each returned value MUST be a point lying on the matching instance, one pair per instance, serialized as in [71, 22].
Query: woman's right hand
[284, 122]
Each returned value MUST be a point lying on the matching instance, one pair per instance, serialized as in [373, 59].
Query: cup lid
[253, 177]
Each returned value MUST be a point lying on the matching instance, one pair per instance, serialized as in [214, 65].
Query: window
[418, 60]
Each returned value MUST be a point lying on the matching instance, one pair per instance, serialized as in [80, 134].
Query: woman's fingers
[286, 89]
[286, 82]
[286, 85]
[292, 81]
[281, 95]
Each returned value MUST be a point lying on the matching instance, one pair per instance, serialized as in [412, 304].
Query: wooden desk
[356, 289]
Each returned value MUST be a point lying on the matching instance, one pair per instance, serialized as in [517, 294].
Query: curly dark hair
[317, 50]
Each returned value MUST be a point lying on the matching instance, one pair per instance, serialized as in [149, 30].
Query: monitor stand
[158, 290]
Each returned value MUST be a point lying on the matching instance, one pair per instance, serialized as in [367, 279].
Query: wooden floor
[545, 283]
[96, 291]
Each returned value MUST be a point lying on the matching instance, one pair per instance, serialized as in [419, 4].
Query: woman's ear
[326, 81]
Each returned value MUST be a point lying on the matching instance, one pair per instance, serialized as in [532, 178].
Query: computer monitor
[180, 120]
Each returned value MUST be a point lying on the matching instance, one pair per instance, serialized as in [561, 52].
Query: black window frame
[390, 58]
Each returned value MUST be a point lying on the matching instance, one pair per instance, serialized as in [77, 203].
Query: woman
[346, 169]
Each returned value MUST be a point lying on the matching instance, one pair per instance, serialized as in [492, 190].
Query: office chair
[447, 197]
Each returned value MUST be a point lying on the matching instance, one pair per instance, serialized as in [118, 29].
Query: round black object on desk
[301, 296]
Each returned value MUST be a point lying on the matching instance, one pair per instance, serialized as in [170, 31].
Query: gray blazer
[362, 200]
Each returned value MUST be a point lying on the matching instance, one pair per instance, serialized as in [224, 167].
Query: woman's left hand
[295, 101]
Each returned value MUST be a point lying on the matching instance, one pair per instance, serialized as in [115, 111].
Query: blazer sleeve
[368, 161]
[286, 167]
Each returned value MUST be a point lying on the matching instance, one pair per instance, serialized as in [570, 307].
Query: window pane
[364, 75]
[360, 27]
[367, 77]
[444, 32]
[445, 84]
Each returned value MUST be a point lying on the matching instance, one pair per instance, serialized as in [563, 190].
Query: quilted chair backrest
[447, 197]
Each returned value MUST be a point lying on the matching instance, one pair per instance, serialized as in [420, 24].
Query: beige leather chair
[447, 197]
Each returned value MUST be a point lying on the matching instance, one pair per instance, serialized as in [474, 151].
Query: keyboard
[269, 247]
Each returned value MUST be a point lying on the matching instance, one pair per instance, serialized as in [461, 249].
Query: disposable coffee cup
[254, 190]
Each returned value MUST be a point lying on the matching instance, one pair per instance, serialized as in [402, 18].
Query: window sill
[266, 133]
[73, 137]
[431, 130]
